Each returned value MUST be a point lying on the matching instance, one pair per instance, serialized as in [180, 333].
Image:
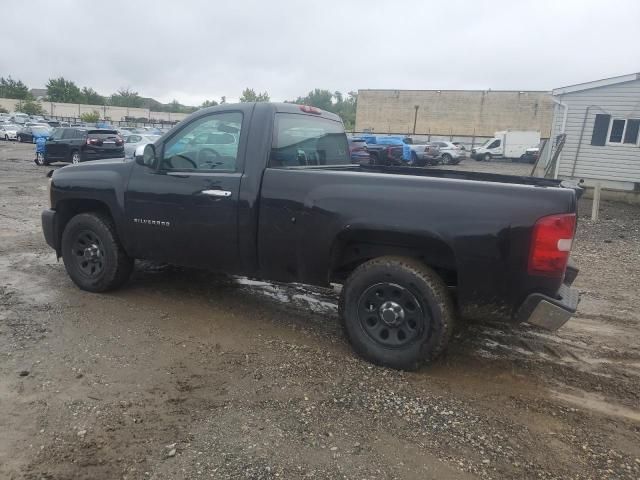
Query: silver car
[133, 141]
[9, 132]
[450, 154]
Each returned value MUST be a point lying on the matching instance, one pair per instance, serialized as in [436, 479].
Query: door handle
[217, 193]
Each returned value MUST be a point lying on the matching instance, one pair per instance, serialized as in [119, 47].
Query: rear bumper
[90, 154]
[50, 228]
[552, 312]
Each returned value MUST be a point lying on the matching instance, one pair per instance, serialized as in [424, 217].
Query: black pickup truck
[268, 191]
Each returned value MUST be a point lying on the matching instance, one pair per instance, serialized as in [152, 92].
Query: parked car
[77, 145]
[411, 247]
[29, 133]
[424, 154]
[9, 131]
[132, 142]
[358, 150]
[530, 155]
[460, 144]
[19, 118]
[53, 123]
[450, 154]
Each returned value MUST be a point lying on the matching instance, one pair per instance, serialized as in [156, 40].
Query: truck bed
[465, 175]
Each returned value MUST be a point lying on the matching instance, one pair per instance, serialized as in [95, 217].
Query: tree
[10, 88]
[90, 117]
[249, 95]
[31, 107]
[333, 102]
[63, 91]
[126, 97]
[208, 103]
[91, 97]
[322, 99]
[346, 108]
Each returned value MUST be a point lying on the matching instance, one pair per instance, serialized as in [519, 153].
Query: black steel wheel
[391, 315]
[88, 254]
[92, 253]
[396, 312]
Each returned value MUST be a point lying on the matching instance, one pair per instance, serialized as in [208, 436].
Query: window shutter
[600, 129]
[631, 134]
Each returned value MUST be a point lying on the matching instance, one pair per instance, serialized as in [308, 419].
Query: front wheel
[487, 157]
[396, 312]
[19, 139]
[75, 157]
[40, 159]
[93, 255]
[6, 138]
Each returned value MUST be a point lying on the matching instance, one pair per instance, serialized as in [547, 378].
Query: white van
[506, 144]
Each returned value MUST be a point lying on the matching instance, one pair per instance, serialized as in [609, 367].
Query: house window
[623, 131]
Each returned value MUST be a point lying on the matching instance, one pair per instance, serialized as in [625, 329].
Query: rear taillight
[551, 244]
[92, 141]
[119, 140]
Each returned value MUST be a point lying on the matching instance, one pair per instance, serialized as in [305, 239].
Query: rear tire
[396, 312]
[93, 255]
[447, 159]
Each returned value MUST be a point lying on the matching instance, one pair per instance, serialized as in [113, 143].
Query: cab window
[210, 143]
[495, 144]
[304, 140]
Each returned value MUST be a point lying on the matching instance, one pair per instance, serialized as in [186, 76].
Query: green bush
[31, 108]
[90, 117]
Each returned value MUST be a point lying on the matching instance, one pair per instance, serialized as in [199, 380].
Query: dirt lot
[186, 374]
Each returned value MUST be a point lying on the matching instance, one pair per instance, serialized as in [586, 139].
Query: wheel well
[354, 249]
[67, 209]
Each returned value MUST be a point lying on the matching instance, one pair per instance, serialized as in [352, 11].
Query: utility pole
[415, 118]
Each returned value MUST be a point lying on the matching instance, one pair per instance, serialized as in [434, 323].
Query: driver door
[184, 210]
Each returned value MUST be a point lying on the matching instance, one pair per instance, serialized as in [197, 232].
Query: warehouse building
[596, 133]
[453, 113]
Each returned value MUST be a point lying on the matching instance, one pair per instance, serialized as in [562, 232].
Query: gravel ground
[185, 374]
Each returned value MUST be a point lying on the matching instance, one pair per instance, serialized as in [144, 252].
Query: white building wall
[615, 166]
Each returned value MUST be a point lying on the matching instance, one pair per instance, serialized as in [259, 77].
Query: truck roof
[279, 107]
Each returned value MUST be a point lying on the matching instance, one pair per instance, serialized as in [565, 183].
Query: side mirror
[145, 155]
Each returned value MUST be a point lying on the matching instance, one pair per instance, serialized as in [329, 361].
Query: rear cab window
[304, 140]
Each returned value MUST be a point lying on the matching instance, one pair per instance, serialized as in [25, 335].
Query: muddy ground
[185, 374]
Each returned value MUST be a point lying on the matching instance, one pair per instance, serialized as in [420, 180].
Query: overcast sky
[197, 50]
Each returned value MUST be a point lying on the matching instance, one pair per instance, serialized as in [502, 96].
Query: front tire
[396, 312]
[75, 157]
[93, 255]
[487, 157]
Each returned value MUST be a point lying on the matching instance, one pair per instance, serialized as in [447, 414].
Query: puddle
[597, 403]
[300, 296]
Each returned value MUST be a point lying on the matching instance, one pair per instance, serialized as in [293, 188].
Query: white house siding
[617, 165]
